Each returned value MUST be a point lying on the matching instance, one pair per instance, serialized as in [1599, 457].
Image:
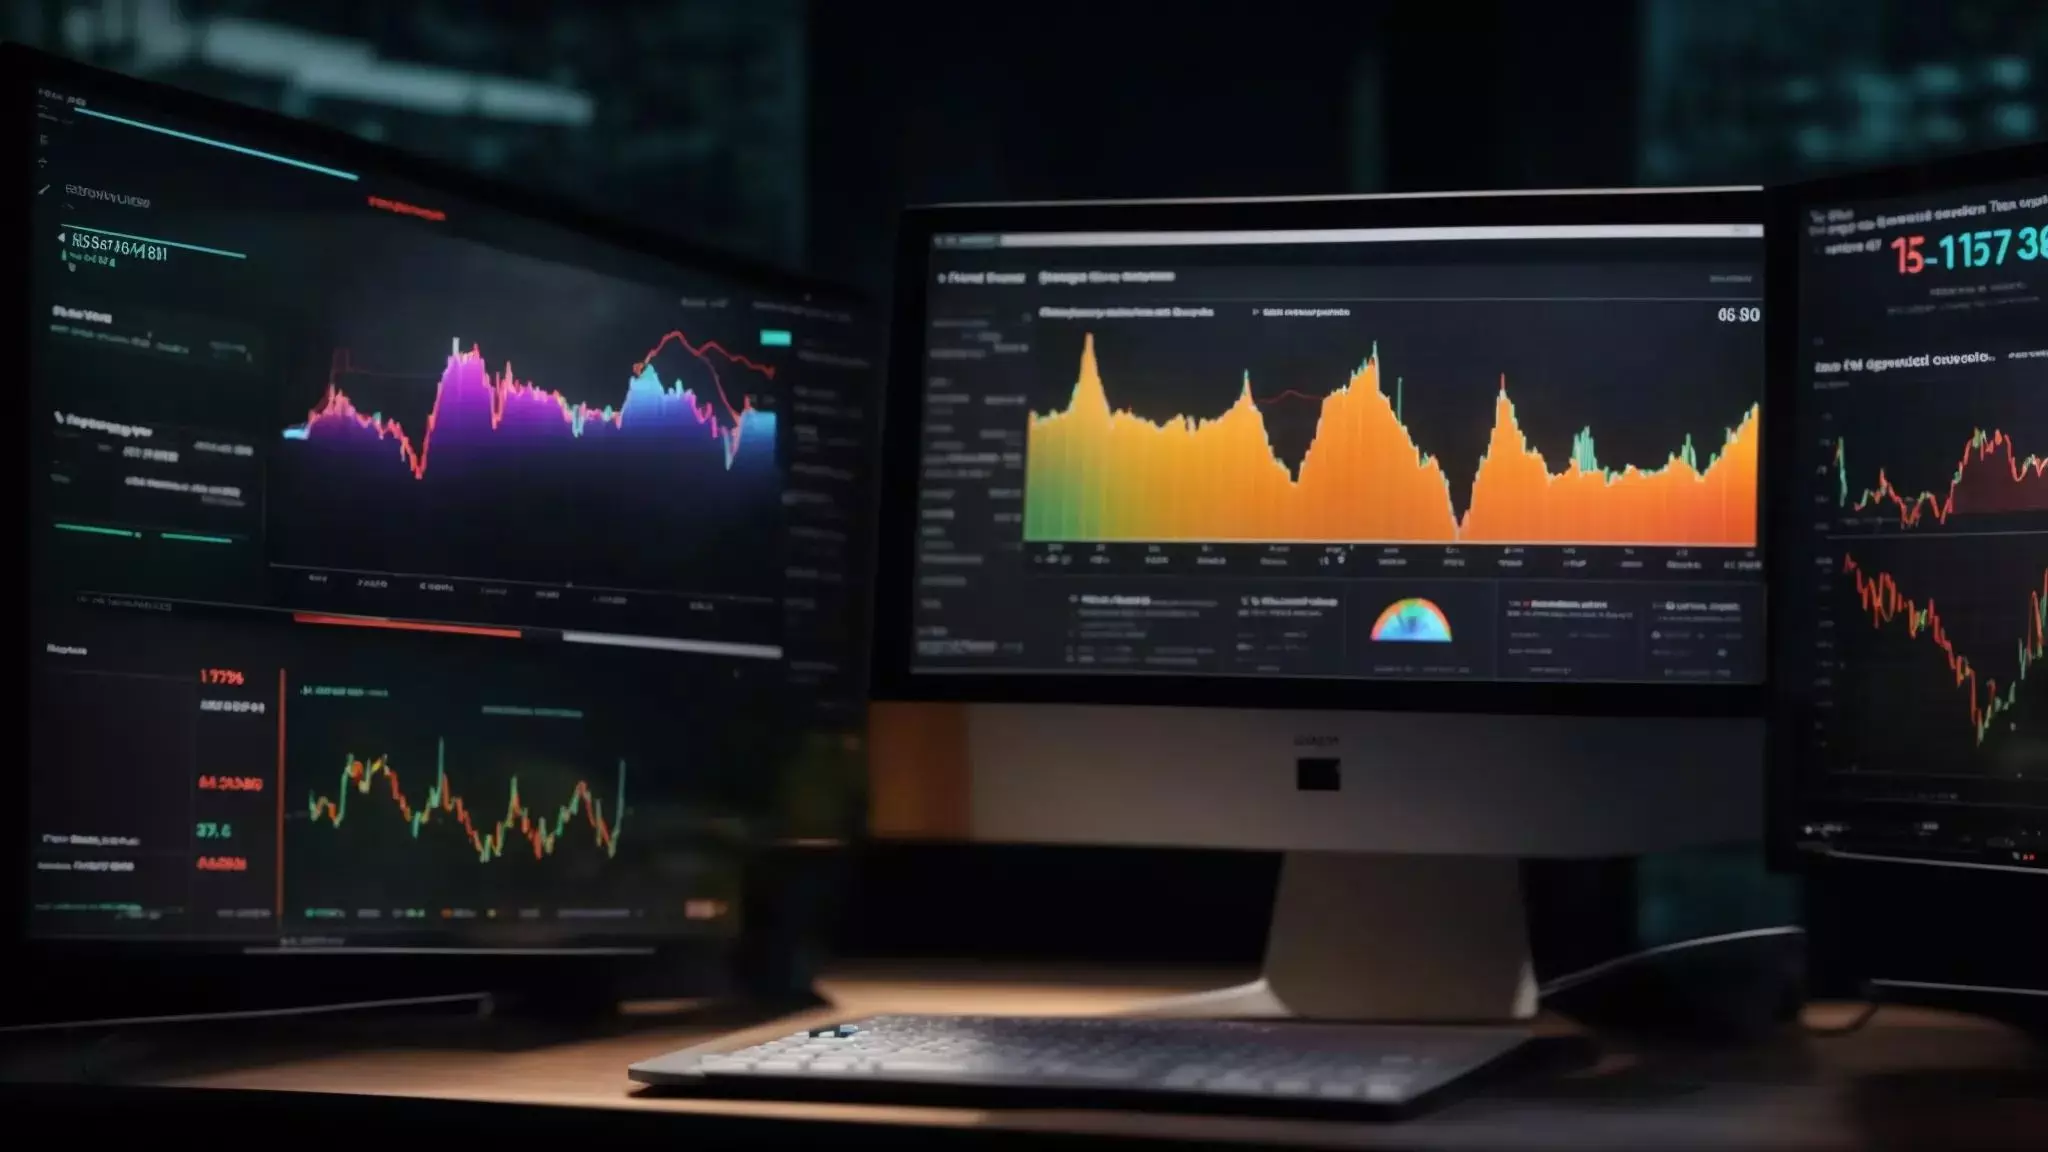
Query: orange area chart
[1094, 473]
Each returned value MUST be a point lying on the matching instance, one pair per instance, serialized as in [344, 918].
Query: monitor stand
[1386, 938]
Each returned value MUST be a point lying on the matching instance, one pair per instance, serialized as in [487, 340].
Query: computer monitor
[1910, 744]
[1209, 507]
[408, 554]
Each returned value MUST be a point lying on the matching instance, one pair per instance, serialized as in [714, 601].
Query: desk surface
[1911, 1078]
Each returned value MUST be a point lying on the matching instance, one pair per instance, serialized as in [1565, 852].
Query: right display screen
[1918, 561]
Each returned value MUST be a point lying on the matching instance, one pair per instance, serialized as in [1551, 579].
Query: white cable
[1574, 979]
[252, 1014]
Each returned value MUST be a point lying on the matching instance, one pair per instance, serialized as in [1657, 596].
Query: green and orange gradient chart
[1097, 474]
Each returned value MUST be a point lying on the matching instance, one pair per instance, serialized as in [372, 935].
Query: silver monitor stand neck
[1386, 938]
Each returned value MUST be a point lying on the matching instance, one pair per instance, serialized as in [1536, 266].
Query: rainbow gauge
[1412, 620]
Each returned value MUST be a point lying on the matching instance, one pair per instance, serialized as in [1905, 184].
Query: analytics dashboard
[1512, 453]
[408, 570]
[1917, 570]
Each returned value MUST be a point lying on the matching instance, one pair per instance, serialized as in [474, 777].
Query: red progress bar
[405, 625]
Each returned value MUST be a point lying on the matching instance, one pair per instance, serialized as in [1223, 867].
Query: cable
[253, 1013]
[1573, 979]
[1872, 1001]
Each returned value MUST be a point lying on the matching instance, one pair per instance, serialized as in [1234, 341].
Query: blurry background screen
[1755, 90]
[791, 130]
[684, 116]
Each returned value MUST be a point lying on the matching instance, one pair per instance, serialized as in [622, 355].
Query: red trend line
[700, 352]
[504, 385]
[1982, 447]
[1881, 599]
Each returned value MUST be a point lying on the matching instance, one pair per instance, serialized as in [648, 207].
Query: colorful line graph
[471, 403]
[1885, 604]
[1990, 476]
[541, 833]
[1094, 473]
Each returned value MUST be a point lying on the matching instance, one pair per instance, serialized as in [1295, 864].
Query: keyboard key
[926, 1067]
[1104, 1072]
[1384, 1088]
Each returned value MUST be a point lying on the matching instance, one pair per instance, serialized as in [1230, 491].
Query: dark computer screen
[1498, 453]
[405, 569]
[1916, 574]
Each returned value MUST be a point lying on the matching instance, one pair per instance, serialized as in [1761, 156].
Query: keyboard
[1362, 1071]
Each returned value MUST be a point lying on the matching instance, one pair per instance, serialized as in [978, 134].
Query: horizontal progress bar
[671, 644]
[606, 639]
[197, 538]
[97, 530]
[165, 243]
[222, 144]
[405, 625]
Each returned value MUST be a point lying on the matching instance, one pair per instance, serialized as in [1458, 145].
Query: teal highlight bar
[196, 538]
[775, 338]
[96, 530]
[211, 143]
[165, 243]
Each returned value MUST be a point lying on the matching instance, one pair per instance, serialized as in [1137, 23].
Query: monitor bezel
[1787, 706]
[22, 71]
[892, 675]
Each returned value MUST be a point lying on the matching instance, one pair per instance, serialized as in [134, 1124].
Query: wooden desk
[1912, 1078]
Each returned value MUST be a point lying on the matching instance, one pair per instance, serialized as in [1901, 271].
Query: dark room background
[791, 131]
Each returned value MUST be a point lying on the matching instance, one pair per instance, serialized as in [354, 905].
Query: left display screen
[402, 566]
[286, 386]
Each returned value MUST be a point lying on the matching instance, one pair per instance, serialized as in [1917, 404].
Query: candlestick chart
[466, 821]
[515, 786]
[665, 481]
[537, 830]
[1932, 659]
[1990, 477]
[1983, 694]
[1095, 472]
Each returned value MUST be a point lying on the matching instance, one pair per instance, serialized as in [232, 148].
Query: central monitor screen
[1501, 453]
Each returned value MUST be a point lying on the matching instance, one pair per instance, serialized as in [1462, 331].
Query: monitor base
[1433, 939]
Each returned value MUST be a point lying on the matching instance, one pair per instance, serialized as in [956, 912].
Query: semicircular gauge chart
[1414, 621]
